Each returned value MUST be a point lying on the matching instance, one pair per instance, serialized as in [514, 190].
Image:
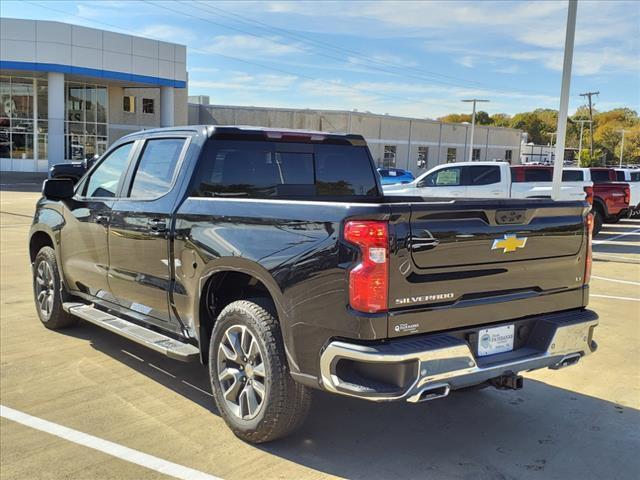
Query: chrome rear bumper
[432, 365]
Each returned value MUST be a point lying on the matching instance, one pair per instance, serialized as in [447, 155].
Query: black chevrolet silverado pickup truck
[273, 257]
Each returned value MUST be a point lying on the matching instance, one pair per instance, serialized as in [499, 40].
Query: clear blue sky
[414, 58]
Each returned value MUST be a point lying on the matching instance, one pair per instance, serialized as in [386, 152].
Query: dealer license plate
[495, 340]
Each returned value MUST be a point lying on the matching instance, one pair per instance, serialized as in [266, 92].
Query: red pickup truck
[610, 197]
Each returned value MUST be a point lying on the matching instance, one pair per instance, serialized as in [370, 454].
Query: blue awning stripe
[91, 72]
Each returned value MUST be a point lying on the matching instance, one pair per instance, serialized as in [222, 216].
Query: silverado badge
[510, 243]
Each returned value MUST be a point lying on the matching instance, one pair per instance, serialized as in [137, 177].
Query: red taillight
[368, 281]
[627, 194]
[588, 224]
[589, 194]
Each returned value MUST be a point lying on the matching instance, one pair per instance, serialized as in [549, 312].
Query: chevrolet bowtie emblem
[510, 243]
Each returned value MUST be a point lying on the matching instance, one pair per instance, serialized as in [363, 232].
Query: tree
[456, 118]
[530, 123]
[483, 118]
[542, 122]
[501, 120]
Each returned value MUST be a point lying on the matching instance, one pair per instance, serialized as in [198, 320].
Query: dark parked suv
[273, 257]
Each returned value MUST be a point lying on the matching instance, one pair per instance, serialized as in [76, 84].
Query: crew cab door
[443, 182]
[140, 266]
[84, 244]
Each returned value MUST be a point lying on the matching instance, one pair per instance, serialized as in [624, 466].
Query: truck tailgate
[470, 262]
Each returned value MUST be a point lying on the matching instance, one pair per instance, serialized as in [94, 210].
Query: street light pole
[622, 148]
[564, 99]
[473, 123]
[582, 122]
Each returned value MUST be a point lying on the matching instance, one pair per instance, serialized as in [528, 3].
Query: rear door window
[572, 176]
[620, 176]
[635, 177]
[537, 175]
[482, 174]
[156, 167]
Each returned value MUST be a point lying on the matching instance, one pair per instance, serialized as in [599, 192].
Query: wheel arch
[600, 204]
[39, 239]
[223, 284]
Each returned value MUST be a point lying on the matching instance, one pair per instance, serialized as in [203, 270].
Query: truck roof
[250, 132]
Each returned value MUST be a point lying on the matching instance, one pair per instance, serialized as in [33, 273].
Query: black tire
[598, 220]
[47, 291]
[284, 404]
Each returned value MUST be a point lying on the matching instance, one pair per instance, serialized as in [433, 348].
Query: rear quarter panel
[293, 248]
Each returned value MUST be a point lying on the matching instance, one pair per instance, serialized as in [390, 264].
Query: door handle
[158, 225]
[102, 219]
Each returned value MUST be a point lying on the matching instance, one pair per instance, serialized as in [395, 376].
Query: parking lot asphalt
[580, 422]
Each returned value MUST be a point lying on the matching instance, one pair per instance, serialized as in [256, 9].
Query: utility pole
[622, 147]
[473, 123]
[564, 98]
[589, 95]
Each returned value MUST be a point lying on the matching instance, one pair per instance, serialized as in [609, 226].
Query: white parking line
[115, 450]
[197, 388]
[631, 299]
[596, 242]
[628, 282]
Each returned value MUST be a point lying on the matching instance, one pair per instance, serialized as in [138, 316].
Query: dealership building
[67, 92]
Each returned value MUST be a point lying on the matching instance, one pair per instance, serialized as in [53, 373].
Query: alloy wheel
[45, 289]
[241, 372]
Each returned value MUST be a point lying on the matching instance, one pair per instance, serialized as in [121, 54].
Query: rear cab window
[256, 169]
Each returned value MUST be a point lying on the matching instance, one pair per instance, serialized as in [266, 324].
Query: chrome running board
[168, 346]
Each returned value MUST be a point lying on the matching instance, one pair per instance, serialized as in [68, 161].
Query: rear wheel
[250, 379]
[47, 291]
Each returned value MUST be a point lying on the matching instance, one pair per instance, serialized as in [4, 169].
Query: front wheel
[47, 291]
[250, 379]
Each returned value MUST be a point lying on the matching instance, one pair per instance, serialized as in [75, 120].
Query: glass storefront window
[101, 104]
[43, 137]
[21, 98]
[24, 122]
[22, 145]
[17, 110]
[43, 99]
[86, 120]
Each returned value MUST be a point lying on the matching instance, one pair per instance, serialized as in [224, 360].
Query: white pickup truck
[632, 177]
[488, 180]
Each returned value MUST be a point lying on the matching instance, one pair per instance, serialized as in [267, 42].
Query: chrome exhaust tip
[430, 393]
[567, 361]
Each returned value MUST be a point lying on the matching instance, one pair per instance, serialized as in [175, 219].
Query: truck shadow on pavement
[540, 431]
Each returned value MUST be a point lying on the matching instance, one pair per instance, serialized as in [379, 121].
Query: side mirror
[88, 162]
[57, 188]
